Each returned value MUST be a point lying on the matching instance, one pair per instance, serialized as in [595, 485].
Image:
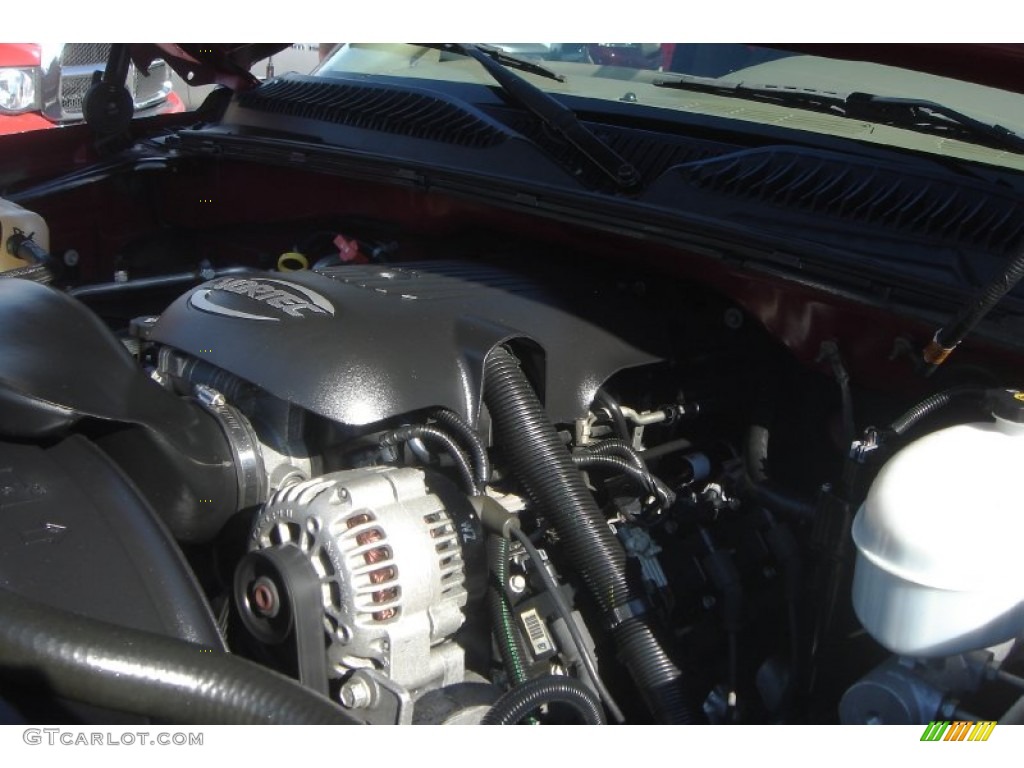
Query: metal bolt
[733, 319]
[71, 257]
[708, 601]
[121, 276]
[264, 597]
[355, 693]
[517, 584]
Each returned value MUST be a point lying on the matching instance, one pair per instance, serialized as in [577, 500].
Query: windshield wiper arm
[554, 115]
[913, 114]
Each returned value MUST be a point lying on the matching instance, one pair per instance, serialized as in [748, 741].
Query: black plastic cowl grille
[650, 152]
[857, 192]
[404, 112]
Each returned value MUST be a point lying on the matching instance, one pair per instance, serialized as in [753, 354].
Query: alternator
[388, 554]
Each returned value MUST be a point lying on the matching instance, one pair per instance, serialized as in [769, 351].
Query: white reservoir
[939, 540]
[13, 217]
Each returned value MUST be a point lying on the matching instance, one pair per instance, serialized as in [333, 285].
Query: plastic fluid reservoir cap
[939, 542]
[1008, 405]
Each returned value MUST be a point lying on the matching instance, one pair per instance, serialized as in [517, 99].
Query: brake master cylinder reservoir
[940, 536]
[13, 219]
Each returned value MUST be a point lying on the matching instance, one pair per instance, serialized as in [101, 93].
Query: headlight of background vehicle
[19, 89]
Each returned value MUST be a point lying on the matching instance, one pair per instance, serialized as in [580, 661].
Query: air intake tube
[147, 674]
[545, 468]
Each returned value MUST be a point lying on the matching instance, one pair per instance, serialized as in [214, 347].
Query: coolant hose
[148, 674]
[904, 423]
[515, 705]
[544, 467]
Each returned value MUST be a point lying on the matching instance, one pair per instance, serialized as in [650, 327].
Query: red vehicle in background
[42, 86]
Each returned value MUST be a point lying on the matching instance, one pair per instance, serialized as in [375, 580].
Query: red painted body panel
[19, 54]
[28, 121]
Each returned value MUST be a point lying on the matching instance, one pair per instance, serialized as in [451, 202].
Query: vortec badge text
[292, 299]
[269, 294]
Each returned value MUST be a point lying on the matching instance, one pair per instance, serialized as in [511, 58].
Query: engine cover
[358, 344]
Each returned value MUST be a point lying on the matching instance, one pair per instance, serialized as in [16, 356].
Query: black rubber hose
[545, 469]
[613, 446]
[433, 434]
[768, 495]
[904, 423]
[622, 448]
[148, 674]
[830, 353]
[617, 447]
[626, 450]
[515, 705]
[501, 614]
[666, 498]
[611, 405]
[472, 438]
[765, 493]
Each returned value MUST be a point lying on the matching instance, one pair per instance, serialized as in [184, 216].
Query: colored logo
[958, 730]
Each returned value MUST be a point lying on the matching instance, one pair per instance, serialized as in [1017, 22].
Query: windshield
[770, 86]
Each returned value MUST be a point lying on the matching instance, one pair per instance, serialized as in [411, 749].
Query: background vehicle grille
[84, 54]
[78, 61]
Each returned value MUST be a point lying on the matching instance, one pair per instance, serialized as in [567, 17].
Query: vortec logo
[292, 300]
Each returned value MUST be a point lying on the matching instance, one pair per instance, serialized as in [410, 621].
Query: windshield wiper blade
[805, 98]
[555, 116]
[913, 114]
[500, 56]
[931, 117]
[514, 62]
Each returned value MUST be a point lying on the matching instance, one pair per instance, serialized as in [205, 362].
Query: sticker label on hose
[537, 632]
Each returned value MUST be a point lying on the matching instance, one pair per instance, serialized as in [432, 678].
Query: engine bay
[421, 459]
